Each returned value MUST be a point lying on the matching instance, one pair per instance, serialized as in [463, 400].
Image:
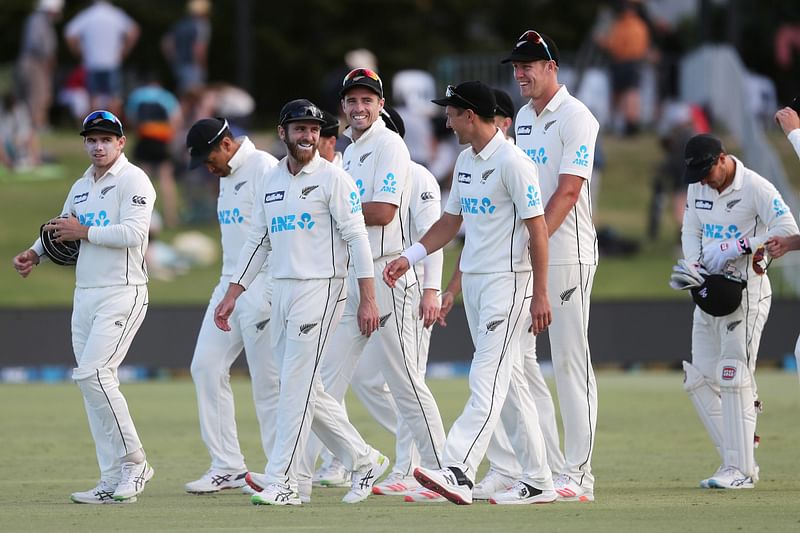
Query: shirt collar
[738, 175]
[312, 165]
[491, 147]
[115, 169]
[246, 147]
[555, 102]
[378, 125]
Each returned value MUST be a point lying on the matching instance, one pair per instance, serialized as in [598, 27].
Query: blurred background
[653, 72]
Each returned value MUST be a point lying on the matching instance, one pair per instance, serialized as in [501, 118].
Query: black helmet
[720, 295]
[301, 109]
[61, 253]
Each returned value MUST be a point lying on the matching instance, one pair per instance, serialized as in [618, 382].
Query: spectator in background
[156, 115]
[16, 133]
[73, 94]
[102, 36]
[186, 46]
[627, 43]
[413, 91]
[37, 60]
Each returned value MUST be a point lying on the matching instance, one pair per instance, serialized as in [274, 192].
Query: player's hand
[787, 119]
[717, 254]
[368, 316]
[777, 246]
[429, 307]
[541, 313]
[67, 229]
[226, 306]
[394, 270]
[448, 299]
[25, 261]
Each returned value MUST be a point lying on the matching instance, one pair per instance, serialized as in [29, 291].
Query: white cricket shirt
[494, 191]
[562, 141]
[378, 163]
[307, 222]
[424, 206]
[749, 207]
[117, 208]
[237, 193]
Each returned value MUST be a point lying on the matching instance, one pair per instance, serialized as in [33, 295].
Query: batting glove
[717, 255]
[686, 276]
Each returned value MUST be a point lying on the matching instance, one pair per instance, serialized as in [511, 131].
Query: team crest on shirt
[548, 124]
[363, 158]
[732, 203]
[105, 191]
[485, 175]
[427, 196]
[524, 129]
[706, 205]
[464, 177]
[306, 191]
[79, 198]
[238, 186]
[275, 196]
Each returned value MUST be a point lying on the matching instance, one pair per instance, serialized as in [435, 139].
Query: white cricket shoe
[215, 481]
[704, 483]
[133, 479]
[523, 493]
[103, 493]
[449, 482]
[569, 491]
[730, 478]
[423, 495]
[492, 483]
[395, 484]
[363, 479]
[275, 494]
[332, 475]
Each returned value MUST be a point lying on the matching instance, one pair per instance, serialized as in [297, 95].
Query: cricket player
[504, 264]
[310, 216]
[731, 212]
[240, 168]
[558, 133]
[378, 162]
[108, 210]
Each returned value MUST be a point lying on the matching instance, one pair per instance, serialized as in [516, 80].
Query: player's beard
[301, 156]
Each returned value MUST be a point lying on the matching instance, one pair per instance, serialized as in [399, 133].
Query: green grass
[31, 198]
[651, 452]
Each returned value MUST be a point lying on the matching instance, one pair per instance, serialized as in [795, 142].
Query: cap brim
[197, 160]
[359, 84]
[523, 58]
[696, 174]
[118, 133]
[448, 101]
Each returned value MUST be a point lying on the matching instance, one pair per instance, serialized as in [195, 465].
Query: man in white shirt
[240, 167]
[504, 264]
[310, 216]
[558, 133]
[731, 212]
[108, 210]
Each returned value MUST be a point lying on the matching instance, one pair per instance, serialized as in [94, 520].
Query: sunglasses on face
[358, 73]
[101, 115]
[533, 36]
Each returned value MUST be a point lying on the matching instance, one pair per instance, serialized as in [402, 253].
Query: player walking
[558, 133]
[504, 262]
[310, 217]
[731, 212]
[240, 167]
[108, 210]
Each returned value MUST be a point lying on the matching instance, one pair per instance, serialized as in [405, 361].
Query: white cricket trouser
[305, 314]
[501, 452]
[496, 305]
[104, 323]
[394, 348]
[735, 337]
[215, 352]
[570, 289]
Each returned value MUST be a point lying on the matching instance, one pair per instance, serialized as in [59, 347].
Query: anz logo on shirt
[537, 156]
[92, 219]
[291, 223]
[779, 207]
[230, 216]
[355, 203]
[389, 184]
[534, 198]
[582, 157]
[718, 231]
[474, 206]
[360, 187]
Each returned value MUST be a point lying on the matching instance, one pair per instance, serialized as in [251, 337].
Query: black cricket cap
[700, 154]
[473, 95]
[301, 109]
[393, 120]
[534, 46]
[363, 77]
[204, 136]
[102, 120]
[505, 105]
[330, 128]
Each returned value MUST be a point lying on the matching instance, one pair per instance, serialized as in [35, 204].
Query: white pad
[706, 400]
[738, 415]
[797, 355]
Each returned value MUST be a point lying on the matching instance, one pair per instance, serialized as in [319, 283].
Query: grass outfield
[651, 452]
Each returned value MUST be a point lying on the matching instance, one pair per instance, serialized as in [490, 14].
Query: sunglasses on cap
[101, 115]
[450, 92]
[533, 36]
[310, 112]
[358, 73]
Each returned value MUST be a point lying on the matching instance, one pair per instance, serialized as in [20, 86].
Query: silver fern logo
[385, 318]
[105, 191]
[261, 325]
[492, 325]
[731, 204]
[238, 186]
[306, 328]
[567, 294]
[364, 158]
[307, 191]
[732, 326]
[548, 124]
[486, 175]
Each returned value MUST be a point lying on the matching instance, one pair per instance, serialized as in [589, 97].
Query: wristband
[415, 253]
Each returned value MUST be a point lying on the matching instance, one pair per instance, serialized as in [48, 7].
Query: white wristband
[415, 253]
